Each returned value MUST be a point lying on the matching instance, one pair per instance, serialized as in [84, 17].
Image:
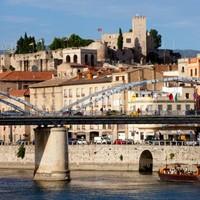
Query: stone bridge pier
[51, 154]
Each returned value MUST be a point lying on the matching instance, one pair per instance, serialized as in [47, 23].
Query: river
[18, 184]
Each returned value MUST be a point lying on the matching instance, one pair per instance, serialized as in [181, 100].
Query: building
[54, 94]
[21, 80]
[168, 101]
[136, 38]
[47, 60]
[80, 55]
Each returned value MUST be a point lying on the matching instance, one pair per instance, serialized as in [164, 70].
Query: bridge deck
[61, 120]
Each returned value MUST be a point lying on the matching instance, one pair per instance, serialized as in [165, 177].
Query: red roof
[19, 93]
[25, 76]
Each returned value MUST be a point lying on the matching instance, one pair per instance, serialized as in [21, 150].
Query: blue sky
[176, 20]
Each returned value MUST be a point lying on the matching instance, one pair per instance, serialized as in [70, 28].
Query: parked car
[112, 112]
[119, 141]
[22, 141]
[72, 113]
[191, 143]
[97, 140]
[81, 141]
[106, 140]
[102, 140]
[129, 141]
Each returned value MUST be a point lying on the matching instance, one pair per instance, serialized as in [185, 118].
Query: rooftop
[25, 76]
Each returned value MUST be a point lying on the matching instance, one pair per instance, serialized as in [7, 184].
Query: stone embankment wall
[106, 157]
[9, 159]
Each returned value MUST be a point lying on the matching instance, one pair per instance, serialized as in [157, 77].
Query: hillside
[185, 53]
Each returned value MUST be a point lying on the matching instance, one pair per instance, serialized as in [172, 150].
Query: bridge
[51, 162]
[119, 119]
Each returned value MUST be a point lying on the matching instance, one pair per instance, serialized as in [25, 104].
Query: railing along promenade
[143, 143]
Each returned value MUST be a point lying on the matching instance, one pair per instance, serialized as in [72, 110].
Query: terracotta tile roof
[19, 93]
[103, 79]
[3, 74]
[49, 83]
[25, 76]
[74, 81]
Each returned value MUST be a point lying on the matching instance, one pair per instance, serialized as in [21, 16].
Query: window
[77, 92]
[178, 107]
[191, 74]
[187, 106]
[169, 107]
[82, 92]
[187, 95]
[183, 69]
[65, 92]
[160, 107]
[195, 72]
[128, 40]
[104, 126]
[109, 126]
[70, 93]
[90, 90]
[43, 94]
[117, 78]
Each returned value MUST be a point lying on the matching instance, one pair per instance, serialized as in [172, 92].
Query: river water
[16, 185]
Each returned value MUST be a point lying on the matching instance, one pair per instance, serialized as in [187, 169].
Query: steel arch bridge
[100, 95]
[92, 98]
[21, 101]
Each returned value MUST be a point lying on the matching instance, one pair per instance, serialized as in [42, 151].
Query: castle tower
[139, 29]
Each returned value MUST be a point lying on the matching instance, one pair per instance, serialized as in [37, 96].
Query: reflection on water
[93, 185]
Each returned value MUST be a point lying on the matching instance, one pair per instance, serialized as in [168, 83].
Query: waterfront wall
[106, 157]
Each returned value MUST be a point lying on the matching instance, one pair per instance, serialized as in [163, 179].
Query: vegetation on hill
[120, 40]
[73, 41]
[156, 38]
[28, 44]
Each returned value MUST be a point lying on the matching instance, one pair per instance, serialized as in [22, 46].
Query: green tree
[73, 41]
[157, 38]
[57, 43]
[120, 40]
[26, 44]
[21, 151]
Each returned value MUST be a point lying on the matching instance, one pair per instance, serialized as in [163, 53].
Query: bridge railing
[138, 113]
[173, 143]
[26, 143]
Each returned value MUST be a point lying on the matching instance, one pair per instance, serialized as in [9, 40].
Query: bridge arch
[17, 99]
[98, 96]
[146, 162]
[17, 108]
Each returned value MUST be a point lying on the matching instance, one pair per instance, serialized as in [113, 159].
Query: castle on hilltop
[136, 38]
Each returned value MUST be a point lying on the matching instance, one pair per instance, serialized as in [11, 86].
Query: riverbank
[107, 157]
